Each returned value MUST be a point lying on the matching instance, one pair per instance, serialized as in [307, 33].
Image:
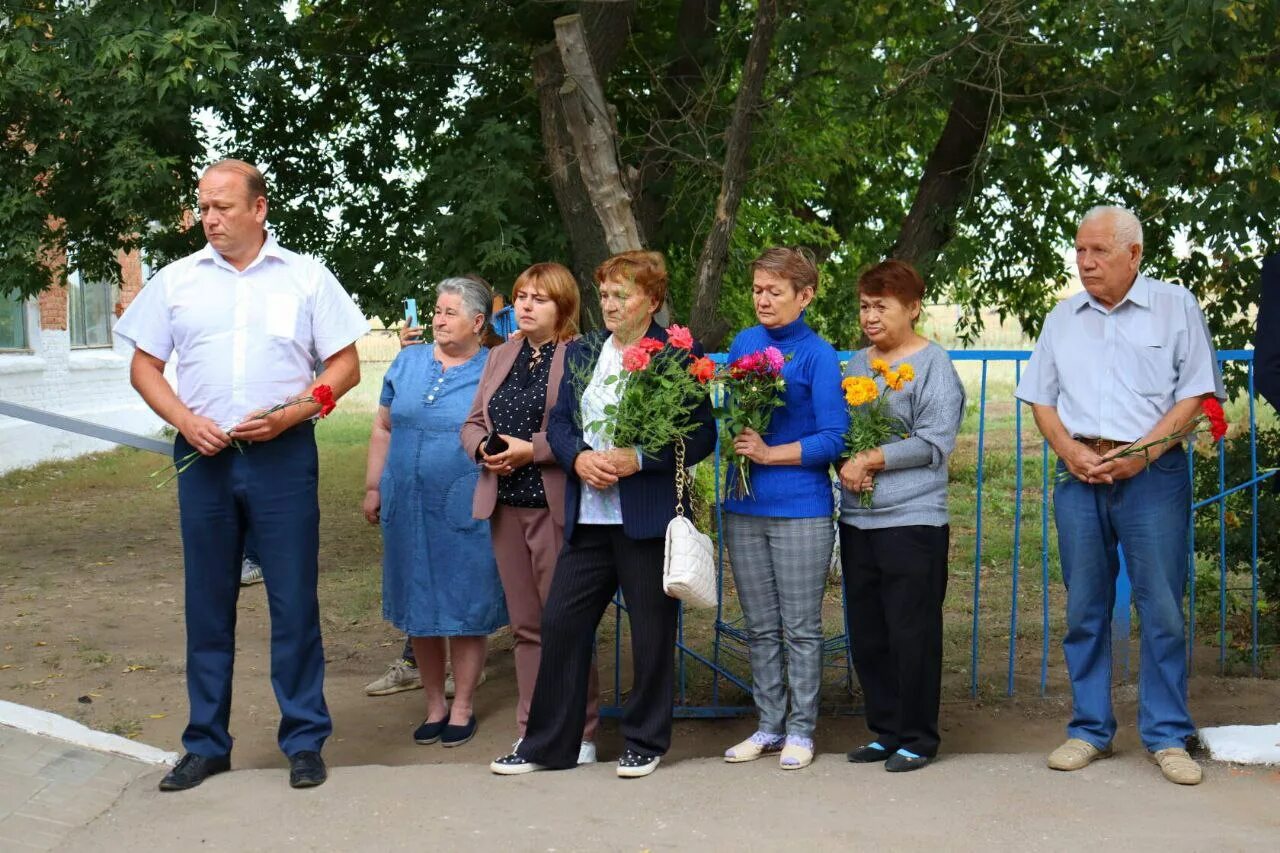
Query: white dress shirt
[1115, 373]
[245, 339]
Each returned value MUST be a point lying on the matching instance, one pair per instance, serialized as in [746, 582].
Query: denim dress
[439, 578]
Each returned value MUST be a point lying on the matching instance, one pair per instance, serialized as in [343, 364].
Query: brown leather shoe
[1075, 754]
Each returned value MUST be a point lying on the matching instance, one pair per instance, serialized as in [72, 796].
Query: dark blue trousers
[266, 491]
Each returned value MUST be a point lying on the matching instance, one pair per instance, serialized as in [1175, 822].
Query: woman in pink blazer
[521, 488]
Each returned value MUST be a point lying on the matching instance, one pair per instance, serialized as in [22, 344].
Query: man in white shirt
[247, 320]
[1126, 362]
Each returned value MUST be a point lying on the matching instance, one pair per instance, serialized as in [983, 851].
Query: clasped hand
[600, 469]
[259, 427]
[518, 454]
[855, 476]
[1088, 467]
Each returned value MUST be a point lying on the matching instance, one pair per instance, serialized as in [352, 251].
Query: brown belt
[1102, 446]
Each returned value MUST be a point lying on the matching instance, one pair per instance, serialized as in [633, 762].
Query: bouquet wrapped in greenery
[870, 424]
[662, 388]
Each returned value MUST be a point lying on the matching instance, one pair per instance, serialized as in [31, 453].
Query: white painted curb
[37, 722]
[1243, 744]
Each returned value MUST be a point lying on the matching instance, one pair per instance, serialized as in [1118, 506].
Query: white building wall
[90, 384]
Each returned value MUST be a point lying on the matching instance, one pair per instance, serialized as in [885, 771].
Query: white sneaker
[250, 573]
[586, 752]
[400, 676]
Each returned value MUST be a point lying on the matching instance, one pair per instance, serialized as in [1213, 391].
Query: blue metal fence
[722, 655]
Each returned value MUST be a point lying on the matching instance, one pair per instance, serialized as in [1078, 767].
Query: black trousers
[598, 560]
[895, 579]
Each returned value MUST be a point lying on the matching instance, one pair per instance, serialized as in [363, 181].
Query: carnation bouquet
[1211, 420]
[753, 387]
[870, 424]
[661, 389]
[321, 395]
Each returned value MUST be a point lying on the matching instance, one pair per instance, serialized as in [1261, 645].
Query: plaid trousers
[780, 569]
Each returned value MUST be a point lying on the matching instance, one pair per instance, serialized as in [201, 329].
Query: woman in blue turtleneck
[780, 538]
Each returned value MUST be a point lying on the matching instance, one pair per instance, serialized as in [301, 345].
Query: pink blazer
[477, 426]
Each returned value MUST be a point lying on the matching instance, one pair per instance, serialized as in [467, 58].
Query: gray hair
[1126, 227]
[476, 296]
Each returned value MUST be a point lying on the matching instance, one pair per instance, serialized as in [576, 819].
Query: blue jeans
[267, 492]
[1147, 516]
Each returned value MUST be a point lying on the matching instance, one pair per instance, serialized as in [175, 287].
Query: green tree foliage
[403, 142]
[98, 138]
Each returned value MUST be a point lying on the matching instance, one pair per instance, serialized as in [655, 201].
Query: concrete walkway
[964, 802]
[50, 788]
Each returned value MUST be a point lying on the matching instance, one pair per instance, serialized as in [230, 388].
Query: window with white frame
[91, 305]
[13, 322]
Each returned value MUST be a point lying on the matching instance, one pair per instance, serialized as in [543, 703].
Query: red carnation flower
[702, 369]
[323, 396]
[649, 345]
[680, 337]
[635, 358]
[1212, 410]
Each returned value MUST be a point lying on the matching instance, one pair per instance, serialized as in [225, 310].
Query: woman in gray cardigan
[894, 553]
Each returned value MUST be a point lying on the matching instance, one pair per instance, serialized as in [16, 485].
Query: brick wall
[131, 279]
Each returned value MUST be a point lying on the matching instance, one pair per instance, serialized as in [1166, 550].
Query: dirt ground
[91, 627]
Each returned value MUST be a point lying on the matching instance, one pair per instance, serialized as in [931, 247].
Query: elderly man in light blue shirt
[1126, 362]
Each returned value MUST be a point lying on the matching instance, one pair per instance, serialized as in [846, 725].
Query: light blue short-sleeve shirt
[1115, 373]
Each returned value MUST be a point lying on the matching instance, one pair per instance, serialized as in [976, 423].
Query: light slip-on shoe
[1177, 766]
[1075, 754]
[797, 753]
[754, 747]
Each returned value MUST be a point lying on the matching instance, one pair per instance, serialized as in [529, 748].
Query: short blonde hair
[561, 287]
[646, 270]
[798, 266]
[253, 180]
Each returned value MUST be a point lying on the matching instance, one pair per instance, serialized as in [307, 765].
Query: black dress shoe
[306, 769]
[458, 735]
[193, 769]
[899, 763]
[867, 754]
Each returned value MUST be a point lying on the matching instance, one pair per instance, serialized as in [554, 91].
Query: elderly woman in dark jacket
[618, 502]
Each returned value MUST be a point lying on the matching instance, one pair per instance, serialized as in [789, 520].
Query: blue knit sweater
[814, 414]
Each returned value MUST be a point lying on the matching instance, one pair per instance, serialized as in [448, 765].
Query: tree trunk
[586, 237]
[706, 323]
[595, 138]
[950, 178]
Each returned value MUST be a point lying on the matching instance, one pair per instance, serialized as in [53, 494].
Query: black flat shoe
[458, 735]
[899, 763]
[867, 754]
[193, 769]
[306, 769]
[429, 733]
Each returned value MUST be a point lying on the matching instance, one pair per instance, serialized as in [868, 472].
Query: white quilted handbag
[689, 565]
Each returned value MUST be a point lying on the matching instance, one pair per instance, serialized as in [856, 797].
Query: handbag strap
[682, 475]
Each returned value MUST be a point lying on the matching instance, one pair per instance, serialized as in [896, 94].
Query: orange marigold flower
[879, 365]
[907, 372]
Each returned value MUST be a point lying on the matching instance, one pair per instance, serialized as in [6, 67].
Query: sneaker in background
[400, 676]
[250, 573]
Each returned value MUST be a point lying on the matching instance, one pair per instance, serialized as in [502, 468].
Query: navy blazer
[1266, 342]
[649, 495]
